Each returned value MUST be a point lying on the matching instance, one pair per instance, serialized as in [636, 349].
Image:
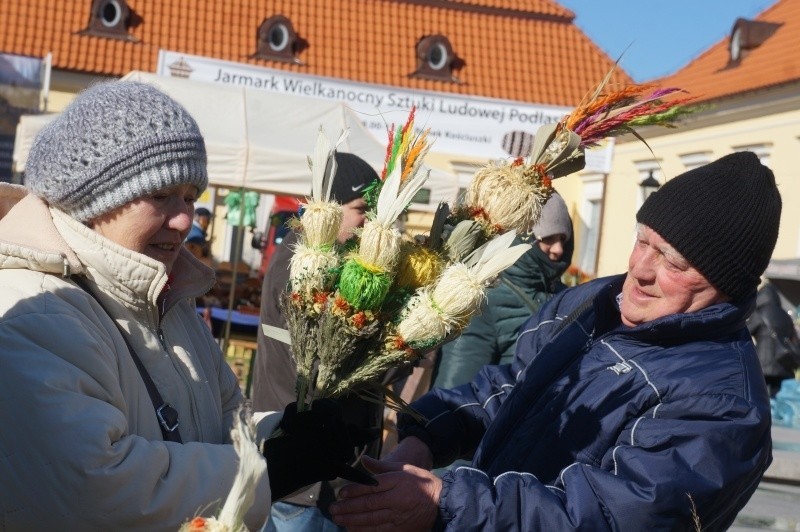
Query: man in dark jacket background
[777, 344]
[635, 402]
[275, 372]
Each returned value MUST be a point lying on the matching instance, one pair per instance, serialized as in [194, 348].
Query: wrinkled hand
[314, 445]
[411, 450]
[406, 498]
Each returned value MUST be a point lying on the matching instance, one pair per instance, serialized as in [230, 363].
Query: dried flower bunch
[510, 196]
[354, 313]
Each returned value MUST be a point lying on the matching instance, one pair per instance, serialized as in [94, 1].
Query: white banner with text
[459, 125]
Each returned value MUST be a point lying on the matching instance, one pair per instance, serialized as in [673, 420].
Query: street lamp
[649, 185]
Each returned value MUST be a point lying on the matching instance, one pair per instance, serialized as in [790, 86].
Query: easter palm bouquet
[355, 312]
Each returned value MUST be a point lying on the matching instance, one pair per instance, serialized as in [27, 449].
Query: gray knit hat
[555, 219]
[116, 142]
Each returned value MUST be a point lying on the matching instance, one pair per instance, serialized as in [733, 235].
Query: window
[736, 45]
[278, 37]
[423, 196]
[747, 35]
[464, 171]
[588, 225]
[437, 56]
[436, 59]
[111, 19]
[763, 151]
[110, 13]
[695, 160]
[278, 41]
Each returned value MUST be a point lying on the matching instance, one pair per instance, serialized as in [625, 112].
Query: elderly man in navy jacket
[634, 402]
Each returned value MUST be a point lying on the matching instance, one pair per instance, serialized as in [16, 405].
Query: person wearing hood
[522, 289]
[117, 404]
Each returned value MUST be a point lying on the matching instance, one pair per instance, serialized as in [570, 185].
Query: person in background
[197, 239]
[117, 405]
[198, 233]
[275, 372]
[634, 402]
[522, 289]
[777, 344]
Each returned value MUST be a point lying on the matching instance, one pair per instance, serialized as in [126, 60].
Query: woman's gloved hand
[312, 446]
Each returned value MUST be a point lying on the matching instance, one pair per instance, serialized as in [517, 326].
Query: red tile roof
[775, 62]
[525, 50]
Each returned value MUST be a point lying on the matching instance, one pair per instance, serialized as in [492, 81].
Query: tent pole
[237, 250]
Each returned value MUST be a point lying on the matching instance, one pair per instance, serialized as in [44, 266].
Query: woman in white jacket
[92, 276]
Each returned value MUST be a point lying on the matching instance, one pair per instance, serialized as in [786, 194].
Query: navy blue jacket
[597, 426]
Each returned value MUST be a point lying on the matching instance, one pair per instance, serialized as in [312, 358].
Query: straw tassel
[432, 315]
[419, 266]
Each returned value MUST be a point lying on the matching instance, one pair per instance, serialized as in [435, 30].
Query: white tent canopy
[28, 127]
[260, 140]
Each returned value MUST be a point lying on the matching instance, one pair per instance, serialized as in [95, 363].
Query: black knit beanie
[353, 175]
[722, 217]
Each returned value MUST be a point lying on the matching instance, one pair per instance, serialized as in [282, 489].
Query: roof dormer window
[436, 59]
[278, 41]
[736, 45]
[111, 19]
[747, 35]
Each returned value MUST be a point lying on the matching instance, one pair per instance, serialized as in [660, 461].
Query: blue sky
[661, 36]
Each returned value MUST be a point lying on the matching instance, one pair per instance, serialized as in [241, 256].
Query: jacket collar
[28, 238]
[134, 279]
[535, 270]
[716, 321]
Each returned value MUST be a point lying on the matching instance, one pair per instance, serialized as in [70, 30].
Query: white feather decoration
[393, 199]
[252, 467]
[323, 165]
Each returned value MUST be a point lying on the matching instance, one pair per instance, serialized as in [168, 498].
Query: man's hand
[412, 451]
[406, 498]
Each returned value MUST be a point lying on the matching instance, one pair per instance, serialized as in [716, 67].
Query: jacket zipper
[160, 334]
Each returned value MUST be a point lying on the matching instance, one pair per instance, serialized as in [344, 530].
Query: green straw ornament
[365, 287]
[368, 274]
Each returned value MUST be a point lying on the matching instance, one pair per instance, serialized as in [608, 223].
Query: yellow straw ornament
[419, 266]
